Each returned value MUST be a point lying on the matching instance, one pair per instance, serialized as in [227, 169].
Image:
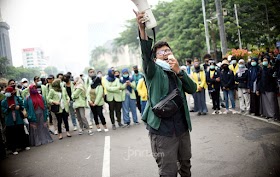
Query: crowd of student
[29, 109]
[254, 82]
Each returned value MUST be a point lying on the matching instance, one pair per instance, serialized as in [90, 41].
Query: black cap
[50, 76]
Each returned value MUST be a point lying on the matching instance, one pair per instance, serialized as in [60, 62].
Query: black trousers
[216, 100]
[16, 137]
[97, 112]
[115, 107]
[138, 101]
[2, 147]
[62, 116]
[254, 104]
[168, 151]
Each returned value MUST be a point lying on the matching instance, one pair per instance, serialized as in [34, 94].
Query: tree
[51, 70]
[3, 66]
[180, 23]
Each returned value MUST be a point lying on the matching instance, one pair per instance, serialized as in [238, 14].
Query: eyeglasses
[163, 52]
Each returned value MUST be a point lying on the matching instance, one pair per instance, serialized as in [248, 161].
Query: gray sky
[65, 29]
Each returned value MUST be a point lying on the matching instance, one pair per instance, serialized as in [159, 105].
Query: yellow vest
[202, 83]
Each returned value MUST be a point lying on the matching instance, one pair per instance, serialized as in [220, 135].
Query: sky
[66, 30]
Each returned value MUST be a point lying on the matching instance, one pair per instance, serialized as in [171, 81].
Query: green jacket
[79, 98]
[158, 86]
[28, 105]
[54, 96]
[114, 90]
[7, 112]
[132, 94]
[99, 92]
[25, 93]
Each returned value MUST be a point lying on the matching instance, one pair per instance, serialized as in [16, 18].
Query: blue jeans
[72, 114]
[129, 105]
[143, 105]
[231, 97]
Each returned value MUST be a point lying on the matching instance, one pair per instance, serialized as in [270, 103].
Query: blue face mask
[8, 94]
[265, 63]
[253, 63]
[241, 66]
[163, 64]
[212, 67]
[125, 75]
[39, 83]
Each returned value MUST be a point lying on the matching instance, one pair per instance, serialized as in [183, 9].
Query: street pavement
[222, 146]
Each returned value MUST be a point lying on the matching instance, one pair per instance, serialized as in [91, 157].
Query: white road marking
[106, 158]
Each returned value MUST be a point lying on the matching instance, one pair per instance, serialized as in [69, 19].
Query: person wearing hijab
[96, 102]
[253, 80]
[80, 103]
[267, 88]
[241, 77]
[12, 106]
[58, 96]
[114, 98]
[37, 111]
[129, 98]
[199, 97]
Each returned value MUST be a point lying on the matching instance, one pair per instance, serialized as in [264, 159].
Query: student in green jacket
[58, 96]
[96, 102]
[169, 136]
[80, 103]
[114, 97]
[129, 98]
[52, 117]
[69, 86]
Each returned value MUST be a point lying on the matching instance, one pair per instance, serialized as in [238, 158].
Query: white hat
[24, 80]
[241, 61]
[229, 57]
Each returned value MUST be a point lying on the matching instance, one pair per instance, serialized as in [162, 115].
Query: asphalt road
[222, 146]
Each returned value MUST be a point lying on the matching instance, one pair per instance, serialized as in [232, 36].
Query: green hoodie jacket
[114, 90]
[99, 92]
[28, 105]
[132, 95]
[158, 86]
[54, 96]
[79, 98]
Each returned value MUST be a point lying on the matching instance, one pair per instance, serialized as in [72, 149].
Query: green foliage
[180, 23]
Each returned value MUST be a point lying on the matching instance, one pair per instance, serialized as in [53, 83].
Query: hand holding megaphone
[148, 17]
[140, 19]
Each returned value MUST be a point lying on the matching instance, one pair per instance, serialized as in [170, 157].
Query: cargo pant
[172, 154]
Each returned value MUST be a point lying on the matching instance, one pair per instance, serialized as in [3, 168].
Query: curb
[258, 118]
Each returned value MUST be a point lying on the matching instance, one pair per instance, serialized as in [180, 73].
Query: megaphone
[143, 6]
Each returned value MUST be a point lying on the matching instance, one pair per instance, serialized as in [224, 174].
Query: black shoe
[198, 113]
[204, 113]
[120, 124]
[192, 110]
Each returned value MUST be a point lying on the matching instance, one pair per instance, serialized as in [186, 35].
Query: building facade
[5, 47]
[34, 58]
